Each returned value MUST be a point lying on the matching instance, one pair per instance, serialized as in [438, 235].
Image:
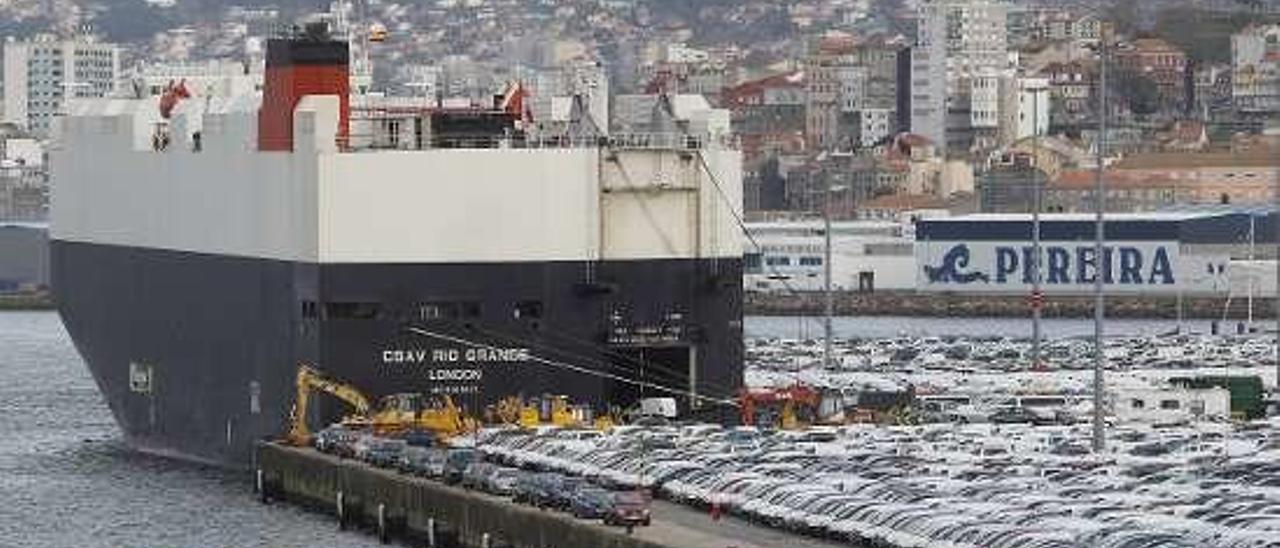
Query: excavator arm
[309, 380]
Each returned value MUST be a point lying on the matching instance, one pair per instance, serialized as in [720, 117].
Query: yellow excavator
[396, 413]
[547, 411]
[400, 412]
[309, 380]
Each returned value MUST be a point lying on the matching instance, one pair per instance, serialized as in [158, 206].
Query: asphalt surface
[676, 525]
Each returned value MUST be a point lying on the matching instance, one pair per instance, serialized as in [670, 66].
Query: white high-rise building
[956, 42]
[41, 74]
[1255, 60]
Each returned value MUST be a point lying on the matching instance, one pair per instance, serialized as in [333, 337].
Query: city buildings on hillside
[1150, 182]
[42, 74]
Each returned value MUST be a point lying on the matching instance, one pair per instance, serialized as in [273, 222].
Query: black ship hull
[196, 354]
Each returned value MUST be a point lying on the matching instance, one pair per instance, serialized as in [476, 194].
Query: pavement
[676, 525]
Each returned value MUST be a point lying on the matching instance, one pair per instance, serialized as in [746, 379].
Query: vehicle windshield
[630, 497]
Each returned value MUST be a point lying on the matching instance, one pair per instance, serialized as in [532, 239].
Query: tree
[1140, 93]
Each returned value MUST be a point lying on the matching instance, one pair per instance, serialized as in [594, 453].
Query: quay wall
[911, 303]
[411, 506]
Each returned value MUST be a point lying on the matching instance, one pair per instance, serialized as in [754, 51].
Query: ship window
[448, 310]
[528, 309]
[309, 309]
[352, 311]
[1170, 404]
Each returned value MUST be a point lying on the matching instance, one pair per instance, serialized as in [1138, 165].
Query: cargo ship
[203, 248]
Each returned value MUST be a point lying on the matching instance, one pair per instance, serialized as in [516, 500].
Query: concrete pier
[423, 512]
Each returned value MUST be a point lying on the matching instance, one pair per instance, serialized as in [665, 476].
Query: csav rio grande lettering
[455, 355]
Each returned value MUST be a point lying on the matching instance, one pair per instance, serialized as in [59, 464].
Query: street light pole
[1037, 299]
[1099, 428]
[826, 267]
[1275, 221]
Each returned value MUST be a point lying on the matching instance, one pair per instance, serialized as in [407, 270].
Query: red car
[630, 508]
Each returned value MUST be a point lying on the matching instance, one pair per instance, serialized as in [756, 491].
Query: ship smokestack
[308, 63]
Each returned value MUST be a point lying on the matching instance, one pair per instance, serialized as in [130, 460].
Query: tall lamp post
[1037, 189]
[1099, 205]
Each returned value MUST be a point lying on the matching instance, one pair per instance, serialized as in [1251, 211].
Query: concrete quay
[422, 512]
[950, 305]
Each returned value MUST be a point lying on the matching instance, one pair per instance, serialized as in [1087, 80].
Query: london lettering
[1059, 265]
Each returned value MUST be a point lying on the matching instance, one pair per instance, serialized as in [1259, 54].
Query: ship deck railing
[380, 141]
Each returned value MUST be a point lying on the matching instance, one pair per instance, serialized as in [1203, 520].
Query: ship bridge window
[447, 310]
[352, 311]
[810, 261]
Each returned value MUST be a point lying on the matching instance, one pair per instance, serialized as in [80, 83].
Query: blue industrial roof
[1217, 226]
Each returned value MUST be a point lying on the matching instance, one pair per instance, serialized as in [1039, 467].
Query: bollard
[383, 535]
[484, 541]
[342, 513]
[431, 532]
[259, 487]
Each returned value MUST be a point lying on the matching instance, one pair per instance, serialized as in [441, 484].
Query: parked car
[502, 481]
[591, 503]
[385, 453]
[456, 462]
[334, 439]
[629, 508]
[418, 460]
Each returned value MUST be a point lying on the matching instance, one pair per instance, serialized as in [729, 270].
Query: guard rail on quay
[423, 512]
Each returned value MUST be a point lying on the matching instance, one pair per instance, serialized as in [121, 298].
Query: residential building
[1160, 62]
[1255, 65]
[43, 73]
[211, 78]
[1008, 183]
[852, 90]
[898, 207]
[24, 177]
[956, 42]
[1071, 88]
[1152, 181]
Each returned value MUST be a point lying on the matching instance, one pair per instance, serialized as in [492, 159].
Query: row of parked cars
[945, 486]
[468, 467]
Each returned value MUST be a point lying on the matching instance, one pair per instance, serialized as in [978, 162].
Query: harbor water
[68, 480]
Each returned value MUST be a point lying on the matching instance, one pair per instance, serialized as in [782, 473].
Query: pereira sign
[1065, 267]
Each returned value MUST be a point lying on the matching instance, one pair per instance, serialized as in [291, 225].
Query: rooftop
[1175, 160]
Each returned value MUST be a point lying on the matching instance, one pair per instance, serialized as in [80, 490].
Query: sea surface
[67, 480]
